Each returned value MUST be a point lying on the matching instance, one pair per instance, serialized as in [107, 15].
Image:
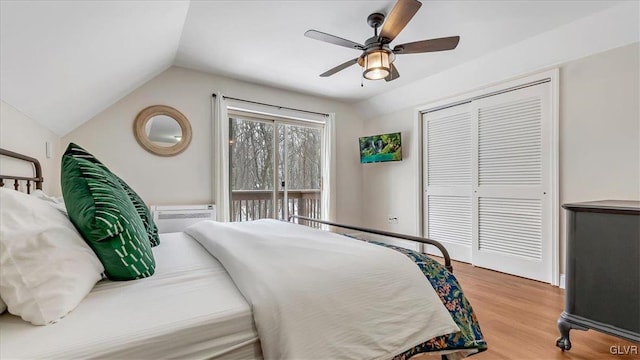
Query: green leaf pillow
[150, 226]
[103, 213]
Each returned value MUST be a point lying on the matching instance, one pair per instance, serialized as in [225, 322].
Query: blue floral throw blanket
[449, 290]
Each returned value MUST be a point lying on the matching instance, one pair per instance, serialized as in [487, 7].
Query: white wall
[599, 142]
[21, 134]
[389, 188]
[600, 127]
[186, 178]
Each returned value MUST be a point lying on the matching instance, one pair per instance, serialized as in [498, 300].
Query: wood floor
[518, 319]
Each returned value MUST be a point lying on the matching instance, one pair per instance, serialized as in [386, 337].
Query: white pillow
[46, 268]
[56, 202]
[3, 306]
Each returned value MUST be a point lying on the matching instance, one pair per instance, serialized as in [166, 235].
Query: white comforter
[318, 295]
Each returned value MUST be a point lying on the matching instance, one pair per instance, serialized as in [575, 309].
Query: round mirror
[162, 130]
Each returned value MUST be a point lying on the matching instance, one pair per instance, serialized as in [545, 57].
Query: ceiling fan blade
[441, 44]
[339, 67]
[318, 35]
[394, 74]
[398, 18]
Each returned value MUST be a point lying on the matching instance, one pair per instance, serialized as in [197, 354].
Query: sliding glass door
[275, 168]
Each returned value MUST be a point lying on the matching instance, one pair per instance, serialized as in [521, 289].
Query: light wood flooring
[518, 319]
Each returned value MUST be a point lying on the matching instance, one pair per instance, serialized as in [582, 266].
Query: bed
[257, 292]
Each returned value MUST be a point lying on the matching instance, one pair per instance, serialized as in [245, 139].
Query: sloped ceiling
[62, 62]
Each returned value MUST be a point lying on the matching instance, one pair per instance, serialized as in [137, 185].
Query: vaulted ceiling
[62, 62]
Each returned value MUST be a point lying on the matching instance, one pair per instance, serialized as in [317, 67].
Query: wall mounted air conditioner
[175, 218]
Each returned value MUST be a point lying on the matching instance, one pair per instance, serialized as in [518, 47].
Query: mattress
[189, 308]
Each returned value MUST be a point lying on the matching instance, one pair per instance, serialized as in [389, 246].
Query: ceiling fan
[377, 56]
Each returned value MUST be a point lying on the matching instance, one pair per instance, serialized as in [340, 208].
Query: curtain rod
[275, 106]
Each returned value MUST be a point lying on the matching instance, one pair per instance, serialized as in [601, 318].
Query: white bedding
[320, 295]
[190, 308]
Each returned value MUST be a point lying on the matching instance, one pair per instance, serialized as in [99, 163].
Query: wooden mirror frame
[141, 136]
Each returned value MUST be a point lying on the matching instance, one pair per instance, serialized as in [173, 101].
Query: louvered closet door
[448, 179]
[512, 182]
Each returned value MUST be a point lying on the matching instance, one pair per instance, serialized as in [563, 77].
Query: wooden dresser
[602, 270]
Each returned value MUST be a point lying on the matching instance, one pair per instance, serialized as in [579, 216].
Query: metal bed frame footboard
[445, 253]
[37, 179]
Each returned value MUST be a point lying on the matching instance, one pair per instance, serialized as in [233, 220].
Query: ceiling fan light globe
[376, 65]
[376, 74]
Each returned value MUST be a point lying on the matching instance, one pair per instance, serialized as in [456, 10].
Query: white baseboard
[562, 281]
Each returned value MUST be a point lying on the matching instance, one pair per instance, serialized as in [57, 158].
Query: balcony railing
[258, 204]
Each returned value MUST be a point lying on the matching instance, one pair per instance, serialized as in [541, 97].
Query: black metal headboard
[37, 178]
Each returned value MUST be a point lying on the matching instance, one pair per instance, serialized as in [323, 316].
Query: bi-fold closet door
[487, 181]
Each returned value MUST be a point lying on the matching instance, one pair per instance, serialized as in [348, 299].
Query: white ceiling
[62, 62]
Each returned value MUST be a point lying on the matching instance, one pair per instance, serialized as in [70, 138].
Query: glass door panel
[303, 164]
[251, 165]
[281, 195]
